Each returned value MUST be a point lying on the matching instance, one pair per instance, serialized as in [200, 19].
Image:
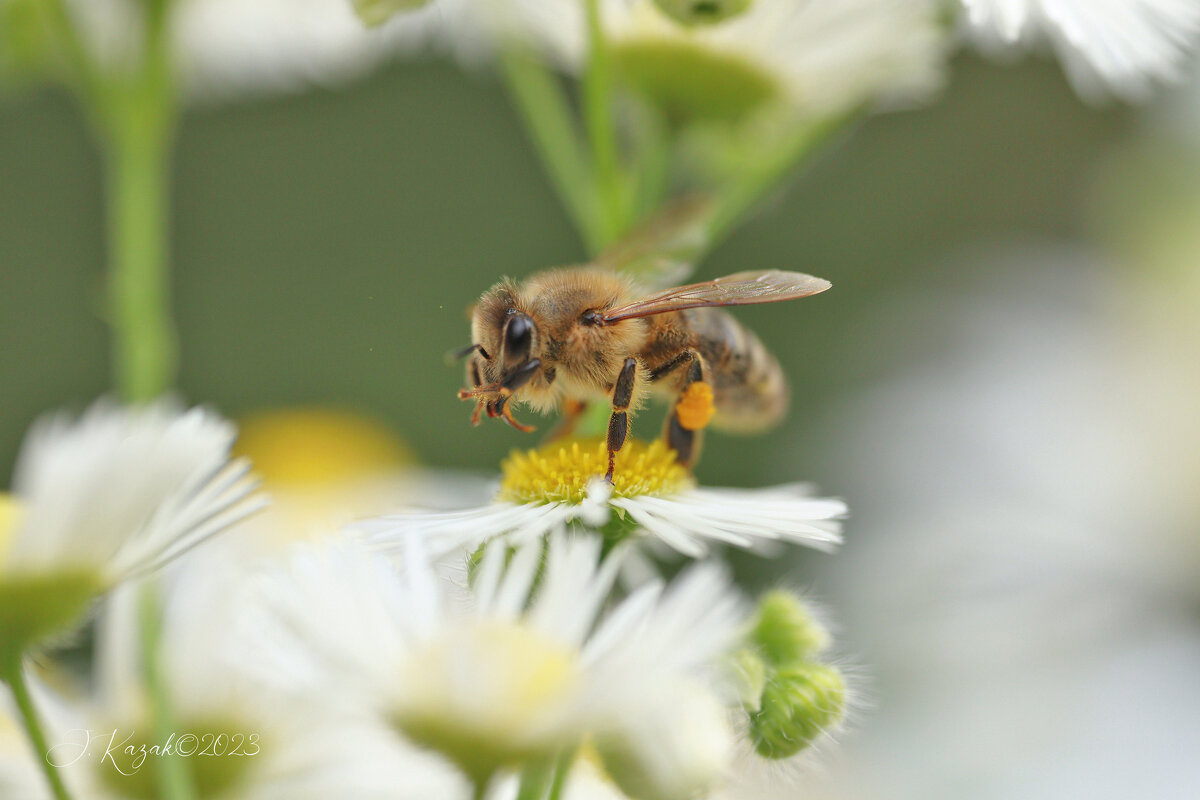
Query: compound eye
[518, 338]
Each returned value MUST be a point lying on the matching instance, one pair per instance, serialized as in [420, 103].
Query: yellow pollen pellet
[695, 408]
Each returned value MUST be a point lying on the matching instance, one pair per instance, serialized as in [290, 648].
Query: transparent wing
[739, 289]
[663, 252]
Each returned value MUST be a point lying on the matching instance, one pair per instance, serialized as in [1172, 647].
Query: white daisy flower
[517, 668]
[1119, 46]
[325, 468]
[821, 58]
[230, 48]
[652, 497]
[274, 746]
[116, 494]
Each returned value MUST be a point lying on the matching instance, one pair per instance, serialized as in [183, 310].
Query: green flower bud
[377, 12]
[702, 12]
[785, 632]
[798, 703]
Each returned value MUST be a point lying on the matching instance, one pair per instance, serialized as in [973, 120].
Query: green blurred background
[1019, 575]
[326, 246]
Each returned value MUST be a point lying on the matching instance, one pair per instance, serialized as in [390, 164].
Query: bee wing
[739, 289]
[664, 250]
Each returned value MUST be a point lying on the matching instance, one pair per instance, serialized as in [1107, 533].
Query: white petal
[1117, 46]
[126, 489]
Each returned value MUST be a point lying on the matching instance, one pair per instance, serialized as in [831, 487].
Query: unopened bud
[784, 631]
[798, 704]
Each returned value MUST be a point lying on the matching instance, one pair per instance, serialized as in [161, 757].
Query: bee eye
[518, 338]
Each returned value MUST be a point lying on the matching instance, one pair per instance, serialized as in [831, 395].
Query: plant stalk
[144, 350]
[15, 678]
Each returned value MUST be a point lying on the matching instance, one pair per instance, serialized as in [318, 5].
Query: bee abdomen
[750, 390]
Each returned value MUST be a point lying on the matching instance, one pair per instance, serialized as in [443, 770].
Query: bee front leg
[618, 423]
[691, 413]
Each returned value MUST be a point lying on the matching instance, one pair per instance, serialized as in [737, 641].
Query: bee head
[504, 356]
[505, 334]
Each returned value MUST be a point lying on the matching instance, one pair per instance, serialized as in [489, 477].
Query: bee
[571, 336]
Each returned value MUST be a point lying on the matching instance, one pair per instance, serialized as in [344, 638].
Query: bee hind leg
[684, 428]
[618, 423]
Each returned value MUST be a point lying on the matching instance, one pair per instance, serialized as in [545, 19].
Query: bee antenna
[459, 355]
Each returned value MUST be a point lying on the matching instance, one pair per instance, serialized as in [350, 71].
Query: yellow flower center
[306, 447]
[560, 471]
[488, 695]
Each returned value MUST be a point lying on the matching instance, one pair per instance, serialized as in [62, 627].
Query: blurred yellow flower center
[298, 448]
[560, 471]
[488, 695]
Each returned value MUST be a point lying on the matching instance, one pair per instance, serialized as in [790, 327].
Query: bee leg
[618, 423]
[572, 411]
[684, 429]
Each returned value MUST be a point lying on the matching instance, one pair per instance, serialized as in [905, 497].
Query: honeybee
[570, 336]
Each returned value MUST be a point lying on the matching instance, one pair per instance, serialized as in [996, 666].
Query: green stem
[561, 772]
[80, 64]
[138, 284]
[743, 194]
[534, 780]
[653, 164]
[137, 136]
[174, 777]
[547, 117]
[15, 678]
[601, 128]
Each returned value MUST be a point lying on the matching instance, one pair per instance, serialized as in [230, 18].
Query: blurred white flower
[123, 490]
[518, 667]
[822, 58]
[231, 48]
[324, 467]
[291, 748]
[543, 491]
[226, 48]
[19, 775]
[1025, 581]
[1107, 46]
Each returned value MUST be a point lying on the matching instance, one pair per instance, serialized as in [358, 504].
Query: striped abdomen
[749, 387]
